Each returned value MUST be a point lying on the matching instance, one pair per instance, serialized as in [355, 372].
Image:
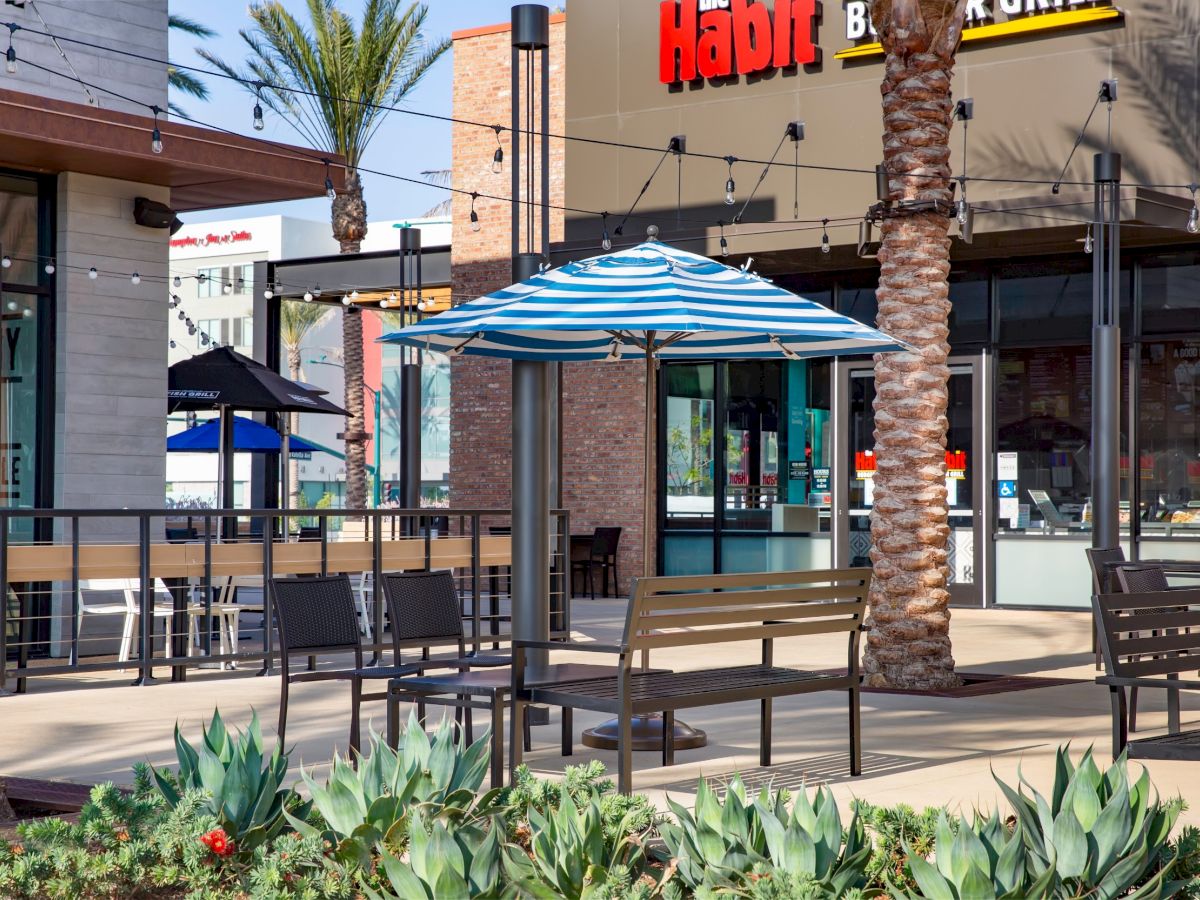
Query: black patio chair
[1099, 560]
[317, 616]
[425, 613]
[602, 555]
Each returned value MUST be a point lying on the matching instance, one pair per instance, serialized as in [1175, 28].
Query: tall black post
[1106, 353]
[531, 465]
[410, 373]
[229, 525]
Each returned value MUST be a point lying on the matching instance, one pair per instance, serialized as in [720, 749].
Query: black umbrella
[224, 380]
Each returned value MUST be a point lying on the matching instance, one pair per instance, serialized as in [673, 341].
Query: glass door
[965, 474]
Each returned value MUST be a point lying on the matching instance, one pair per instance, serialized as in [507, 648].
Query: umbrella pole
[285, 467]
[225, 455]
[647, 730]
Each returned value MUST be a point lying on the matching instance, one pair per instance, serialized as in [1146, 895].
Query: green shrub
[243, 790]
[897, 831]
[634, 812]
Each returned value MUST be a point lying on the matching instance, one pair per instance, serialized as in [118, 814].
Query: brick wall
[603, 407]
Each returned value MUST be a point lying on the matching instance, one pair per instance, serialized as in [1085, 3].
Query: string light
[182, 315]
[177, 281]
[27, 312]
[475, 226]
[498, 156]
[383, 304]
[156, 143]
[135, 278]
[329, 189]
[345, 299]
[1087, 240]
[724, 243]
[226, 288]
[729, 185]
[825, 248]
[172, 344]
[268, 293]
[5, 262]
[93, 274]
[259, 124]
[354, 295]
[1193, 222]
[308, 296]
[605, 240]
[49, 267]
[10, 55]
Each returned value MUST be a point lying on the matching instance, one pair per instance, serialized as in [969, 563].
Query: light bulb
[345, 299]
[12, 305]
[27, 312]
[1087, 241]
[182, 315]
[729, 188]
[227, 288]
[177, 281]
[392, 298]
[724, 246]
[93, 274]
[354, 295]
[1193, 222]
[268, 293]
[825, 248]
[329, 190]
[317, 291]
[191, 331]
[498, 160]
[383, 304]
[135, 278]
[308, 296]
[475, 226]
[421, 306]
[172, 344]
[10, 60]
[6, 262]
[962, 211]
[49, 268]
[156, 143]
[258, 118]
[605, 241]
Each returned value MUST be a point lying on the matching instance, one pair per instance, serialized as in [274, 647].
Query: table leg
[498, 741]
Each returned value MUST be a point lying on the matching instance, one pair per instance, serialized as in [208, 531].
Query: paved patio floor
[917, 750]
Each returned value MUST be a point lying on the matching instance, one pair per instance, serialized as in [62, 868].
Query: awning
[204, 169]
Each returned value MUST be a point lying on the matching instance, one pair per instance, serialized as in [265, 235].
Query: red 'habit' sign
[719, 38]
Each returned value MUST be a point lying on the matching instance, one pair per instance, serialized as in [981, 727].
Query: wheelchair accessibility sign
[1006, 489]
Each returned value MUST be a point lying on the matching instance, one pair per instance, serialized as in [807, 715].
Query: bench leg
[497, 742]
[355, 732]
[764, 733]
[516, 724]
[1173, 711]
[625, 754]
[1120, 736]
[393, 720]
[568, 731]
[1133, 692]
[855, 734]
[668, 738]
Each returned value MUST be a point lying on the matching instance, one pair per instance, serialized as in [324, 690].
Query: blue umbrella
[248, 437]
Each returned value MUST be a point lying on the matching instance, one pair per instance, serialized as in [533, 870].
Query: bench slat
[1155, 621]
[755, 613]
[744, 633]
[1112, 603]
[1165, 665]
[730, 597]
[664, 583]
[1161, 643]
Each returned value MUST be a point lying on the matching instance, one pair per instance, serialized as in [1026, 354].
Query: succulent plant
[243, 789]
[1097, 833]
[720, 846]
[445, 862]
[371, 805]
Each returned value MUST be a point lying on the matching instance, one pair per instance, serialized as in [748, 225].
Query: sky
[405, 145]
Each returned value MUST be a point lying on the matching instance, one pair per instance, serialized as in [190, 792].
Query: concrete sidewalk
[917, 750]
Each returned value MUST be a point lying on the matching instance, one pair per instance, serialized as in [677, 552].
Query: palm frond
[189, 26]
[186, 82]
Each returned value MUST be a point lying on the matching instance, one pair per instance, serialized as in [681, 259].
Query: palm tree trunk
[908, 645]
[349, 228]
[293, 426]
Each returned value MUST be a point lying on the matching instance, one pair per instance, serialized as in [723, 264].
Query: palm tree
[179, 79]
[296, 320]
[377, 64]
[908, 645]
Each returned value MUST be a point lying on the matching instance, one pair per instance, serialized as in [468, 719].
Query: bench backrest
[691, 610]
[1147, 634]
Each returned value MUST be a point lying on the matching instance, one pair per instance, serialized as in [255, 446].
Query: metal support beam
[1106, 353]
[530, 508]
[410, 374]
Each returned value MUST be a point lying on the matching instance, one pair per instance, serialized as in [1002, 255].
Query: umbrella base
[647, 735]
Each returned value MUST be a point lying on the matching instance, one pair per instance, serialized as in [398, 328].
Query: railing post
[208, 586]
[145, 604]
[74, 657]
[475, 598]
[268, 571]
[377, 584]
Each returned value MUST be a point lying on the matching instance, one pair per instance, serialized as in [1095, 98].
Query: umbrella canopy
[248, 437]
[676, 303]
[222, 377]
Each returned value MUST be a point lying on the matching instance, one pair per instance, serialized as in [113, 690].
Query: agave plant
[1099, 835]
[719, 846]
[445, 862]
[243, 789]
[570, 854]
[371, 805]
[981, 860]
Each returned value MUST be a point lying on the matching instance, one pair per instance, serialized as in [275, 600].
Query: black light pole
[411, 298]
[531, 431]
[1106, 353]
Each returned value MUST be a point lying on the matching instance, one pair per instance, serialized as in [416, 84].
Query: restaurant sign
[701, 39]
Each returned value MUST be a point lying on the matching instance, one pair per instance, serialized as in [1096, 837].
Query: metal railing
[143, 554]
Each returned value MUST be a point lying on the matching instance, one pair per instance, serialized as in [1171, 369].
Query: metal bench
[1149, 640]
[699, 611]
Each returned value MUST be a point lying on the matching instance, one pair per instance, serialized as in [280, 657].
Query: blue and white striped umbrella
[680, 304]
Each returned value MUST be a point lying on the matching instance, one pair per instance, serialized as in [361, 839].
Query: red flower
[218, 842]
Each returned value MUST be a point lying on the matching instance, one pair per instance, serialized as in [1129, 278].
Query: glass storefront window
[1052, 301]
[968, 309]
[752, 405]
[19, 365]
[690, 464]
[1169, 459]
[1171, 293]
[19, 229]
